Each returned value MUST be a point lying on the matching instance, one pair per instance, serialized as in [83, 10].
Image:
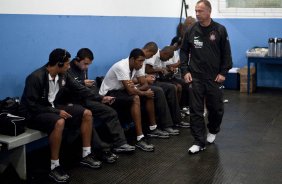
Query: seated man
[173, 65]
[155, 66]
[79, 70]
[164, 119]
[41, 92]
[118, 82]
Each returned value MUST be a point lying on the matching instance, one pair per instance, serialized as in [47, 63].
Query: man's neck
[52, 71]
[206, 23]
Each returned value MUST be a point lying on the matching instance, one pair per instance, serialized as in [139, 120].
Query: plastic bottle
[279, 47]
[271, 47]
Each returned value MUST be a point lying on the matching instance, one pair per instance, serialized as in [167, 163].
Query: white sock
[153, 127]
[54, 164]
[86, 151]
[139, 137]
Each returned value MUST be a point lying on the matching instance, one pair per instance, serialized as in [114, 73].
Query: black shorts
[45, 122]
[123, 99]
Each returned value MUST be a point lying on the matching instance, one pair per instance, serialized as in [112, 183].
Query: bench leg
[17, 157]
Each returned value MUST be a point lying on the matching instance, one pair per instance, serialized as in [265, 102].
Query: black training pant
[210, 92]
[109, 118]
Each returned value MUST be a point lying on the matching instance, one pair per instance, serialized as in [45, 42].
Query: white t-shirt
[155, 61]
[53, 88]
[173, 60]
[117, 73]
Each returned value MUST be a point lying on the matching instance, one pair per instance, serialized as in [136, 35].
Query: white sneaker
[210, 138]
[195, 149]
[205, 112]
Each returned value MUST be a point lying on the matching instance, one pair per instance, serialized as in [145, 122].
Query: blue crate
[232, 79]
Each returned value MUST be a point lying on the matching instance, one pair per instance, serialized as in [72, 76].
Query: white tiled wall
[248, 12]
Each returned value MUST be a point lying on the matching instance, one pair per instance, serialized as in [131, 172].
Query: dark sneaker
[158, 133]
[183, 124]
[91, 161]
[172, 131]
[107, 156]
[195, 149]
[143, 145]
[124, 148]
[58, 175]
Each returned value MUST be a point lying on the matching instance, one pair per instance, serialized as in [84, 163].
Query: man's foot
[183, 124]
[107, 156]
[91, 161]
[211, 138]
[186, 110]
[195, 149]
[158, 133]
[143, 145]
[172, 131]
[125, 148]
[58, 175]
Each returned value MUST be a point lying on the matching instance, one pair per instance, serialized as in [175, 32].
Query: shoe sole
[193, 153]
[157, 136]
[210, 142]
[58, 181]
[183, 126]
[174, 133]
[148, 150]
[123, 151]
[90, 166]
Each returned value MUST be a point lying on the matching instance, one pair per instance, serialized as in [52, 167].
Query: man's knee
[60, 124]
[87, 113]
[136, 99]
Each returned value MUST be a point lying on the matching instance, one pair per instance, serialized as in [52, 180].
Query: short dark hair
[135, 53]
[206, 3]
[151, 46]
[58, 56]
[176, 40]
[84, 53]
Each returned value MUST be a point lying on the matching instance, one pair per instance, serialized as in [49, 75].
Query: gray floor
[248, 150]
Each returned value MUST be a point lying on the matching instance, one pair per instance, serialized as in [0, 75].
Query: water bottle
[271, 47]
[279, 47]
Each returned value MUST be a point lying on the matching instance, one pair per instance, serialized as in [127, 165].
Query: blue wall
[27, 40]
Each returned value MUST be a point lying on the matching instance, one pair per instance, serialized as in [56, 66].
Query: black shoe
[58, 175]
[183, 124]
[172, 131]
[143, 145]
[107, 156]
[91, 161]
[124, 148]
[158, 133]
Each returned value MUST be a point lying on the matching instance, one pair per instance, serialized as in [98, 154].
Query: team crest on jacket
[212, 36]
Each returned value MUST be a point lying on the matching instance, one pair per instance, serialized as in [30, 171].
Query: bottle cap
[270, 40]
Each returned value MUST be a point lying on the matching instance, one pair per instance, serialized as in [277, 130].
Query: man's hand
[89, 83]
[188, 77]
[149, 93]
[108, 99]
[64, 114]
[150, 79]
[219, 78]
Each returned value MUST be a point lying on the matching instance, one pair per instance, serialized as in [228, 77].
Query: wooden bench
[13, 150]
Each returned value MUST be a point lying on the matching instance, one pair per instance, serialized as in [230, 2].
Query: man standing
[79, 70]
[42, 94]
[207, 42]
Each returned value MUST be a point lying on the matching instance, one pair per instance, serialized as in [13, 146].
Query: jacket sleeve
[33, 95]
[184, 55]
[81, 90]
[226, 58]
